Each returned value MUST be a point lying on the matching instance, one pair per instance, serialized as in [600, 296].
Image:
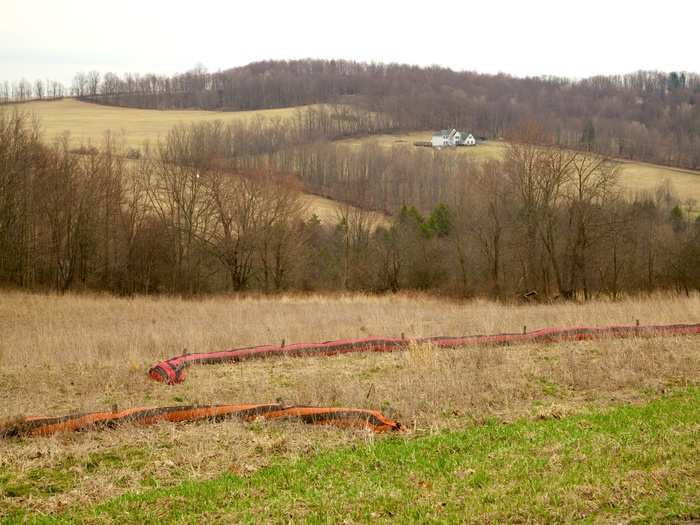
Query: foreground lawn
[632, 463]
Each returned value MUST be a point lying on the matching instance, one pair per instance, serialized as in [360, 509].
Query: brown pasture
[62, 354]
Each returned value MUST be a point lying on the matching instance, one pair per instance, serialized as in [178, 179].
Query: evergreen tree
[440, 221]
[677, 219]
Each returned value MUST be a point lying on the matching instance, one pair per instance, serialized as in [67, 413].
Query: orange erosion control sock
[172, 371]
[340, 417]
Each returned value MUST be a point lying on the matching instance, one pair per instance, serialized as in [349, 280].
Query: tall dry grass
[91, 329]
[78, 352]
[61, 354]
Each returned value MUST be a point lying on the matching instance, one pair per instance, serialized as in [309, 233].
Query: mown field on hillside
[72, 353]
[88, 123]
[634, 176]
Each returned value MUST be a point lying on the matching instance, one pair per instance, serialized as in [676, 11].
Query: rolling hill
[88, 122]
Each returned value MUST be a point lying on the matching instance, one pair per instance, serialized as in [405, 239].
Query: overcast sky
[56, 38]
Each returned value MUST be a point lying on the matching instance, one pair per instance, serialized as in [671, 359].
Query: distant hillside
[649, 116]
[87, 123]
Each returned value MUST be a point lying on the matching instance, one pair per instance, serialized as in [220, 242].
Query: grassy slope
[631, 462]
[635, 176]
[88, 122]
[490, 150]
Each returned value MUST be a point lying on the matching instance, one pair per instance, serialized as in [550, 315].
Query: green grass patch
[44, 482]
[636, 462]
[549, 388]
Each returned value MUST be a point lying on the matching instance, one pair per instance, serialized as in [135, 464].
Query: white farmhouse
[452, 137]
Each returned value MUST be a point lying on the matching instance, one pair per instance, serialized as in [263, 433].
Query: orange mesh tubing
[172, 371]
[342, 417]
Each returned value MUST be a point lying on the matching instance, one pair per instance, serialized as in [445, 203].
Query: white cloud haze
[54, 39]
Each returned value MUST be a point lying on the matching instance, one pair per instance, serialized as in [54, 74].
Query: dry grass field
[636, 177]
[62, 354]
[644, 177]
[489, 150]
[88, 123]
[329, 211]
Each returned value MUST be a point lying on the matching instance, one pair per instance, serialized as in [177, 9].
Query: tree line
[647, 115]
[217, 207]
[24, 90]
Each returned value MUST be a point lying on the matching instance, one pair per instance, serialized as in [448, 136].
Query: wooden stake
[369, 392]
